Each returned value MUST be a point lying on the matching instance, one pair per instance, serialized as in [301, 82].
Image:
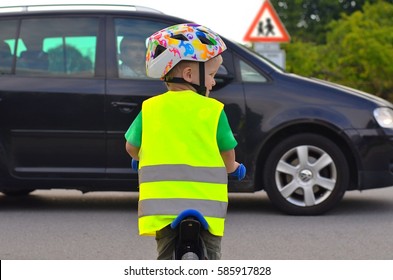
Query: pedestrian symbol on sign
[267, 26]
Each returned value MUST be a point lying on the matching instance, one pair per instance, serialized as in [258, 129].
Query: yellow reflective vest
[180, 163]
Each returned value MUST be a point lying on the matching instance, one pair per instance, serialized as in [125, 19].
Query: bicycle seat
[190, 213]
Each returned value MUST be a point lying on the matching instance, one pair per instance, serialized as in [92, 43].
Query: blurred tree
[358, 51]
[303, 58]
[361, 50]
[307, 19]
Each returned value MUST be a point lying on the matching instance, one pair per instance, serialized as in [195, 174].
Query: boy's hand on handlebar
[134, 164]
[239, 173]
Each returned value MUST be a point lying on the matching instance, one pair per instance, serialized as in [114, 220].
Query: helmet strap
[202, 88]
[199, 89]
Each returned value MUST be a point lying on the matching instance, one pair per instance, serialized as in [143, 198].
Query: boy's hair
[176, 72]
[178, 69]
[174, 76]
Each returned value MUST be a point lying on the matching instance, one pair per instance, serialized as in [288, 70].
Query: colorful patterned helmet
[188, 41]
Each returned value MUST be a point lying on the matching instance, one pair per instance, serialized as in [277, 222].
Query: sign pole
[272, 52]
[267, 32]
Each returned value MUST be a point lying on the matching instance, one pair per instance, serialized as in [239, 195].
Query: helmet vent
[180, 37]
[159, 50]
[204, 40]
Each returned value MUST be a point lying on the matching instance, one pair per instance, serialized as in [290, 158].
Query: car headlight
[384, 117]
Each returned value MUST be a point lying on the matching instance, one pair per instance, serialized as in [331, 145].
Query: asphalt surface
[60, 224]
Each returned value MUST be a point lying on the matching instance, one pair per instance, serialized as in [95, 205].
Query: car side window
[249, 74]
[131, 36]
[57, 47]
[8, 29]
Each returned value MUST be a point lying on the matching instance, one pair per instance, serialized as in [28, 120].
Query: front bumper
[375, 153]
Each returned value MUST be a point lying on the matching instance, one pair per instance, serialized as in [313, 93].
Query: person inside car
[132, 53]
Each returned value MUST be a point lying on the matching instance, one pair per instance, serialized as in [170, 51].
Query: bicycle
[189, 243]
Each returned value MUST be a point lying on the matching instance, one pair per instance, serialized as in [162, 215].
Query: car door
[52, 104]
[126, 90]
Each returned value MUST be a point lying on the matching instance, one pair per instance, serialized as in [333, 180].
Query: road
[60, 224]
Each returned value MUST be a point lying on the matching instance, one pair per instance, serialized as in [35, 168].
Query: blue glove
[239, 173]
[134, 164]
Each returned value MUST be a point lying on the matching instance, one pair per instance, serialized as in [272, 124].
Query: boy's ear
[187, 74]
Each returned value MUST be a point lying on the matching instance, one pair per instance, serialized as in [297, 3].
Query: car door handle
[124, 104]
[124, 107]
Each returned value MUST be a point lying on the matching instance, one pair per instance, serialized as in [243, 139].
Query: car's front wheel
[306, 174]
[17, 192]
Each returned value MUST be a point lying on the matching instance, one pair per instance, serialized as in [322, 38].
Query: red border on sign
[285, 36]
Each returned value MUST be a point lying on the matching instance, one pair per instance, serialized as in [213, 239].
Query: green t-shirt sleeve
[134, 132]
[225, 139]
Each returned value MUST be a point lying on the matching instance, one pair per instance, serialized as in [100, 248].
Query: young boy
[182, 138]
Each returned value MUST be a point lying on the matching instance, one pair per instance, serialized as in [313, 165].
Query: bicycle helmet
[187, 41]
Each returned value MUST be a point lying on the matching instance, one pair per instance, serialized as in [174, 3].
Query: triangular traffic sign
[267, 27]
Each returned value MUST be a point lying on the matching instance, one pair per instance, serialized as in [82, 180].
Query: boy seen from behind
[182, 139]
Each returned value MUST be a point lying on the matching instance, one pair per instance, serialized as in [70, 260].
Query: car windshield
[261, 58]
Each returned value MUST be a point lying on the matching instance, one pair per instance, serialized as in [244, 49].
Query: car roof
[76, 7]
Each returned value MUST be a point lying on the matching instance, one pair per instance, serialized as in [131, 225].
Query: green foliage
[363, 49]
[307, 20]
[302, 58]
[358, 51]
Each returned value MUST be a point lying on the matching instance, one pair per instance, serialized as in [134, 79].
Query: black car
[64, 109]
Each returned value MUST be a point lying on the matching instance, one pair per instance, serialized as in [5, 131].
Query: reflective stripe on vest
[173, 206]
[182, 172]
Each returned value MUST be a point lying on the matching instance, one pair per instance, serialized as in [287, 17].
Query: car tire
[306, 174]
[17, 192]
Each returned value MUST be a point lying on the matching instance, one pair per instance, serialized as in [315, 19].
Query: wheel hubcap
[306, 175]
